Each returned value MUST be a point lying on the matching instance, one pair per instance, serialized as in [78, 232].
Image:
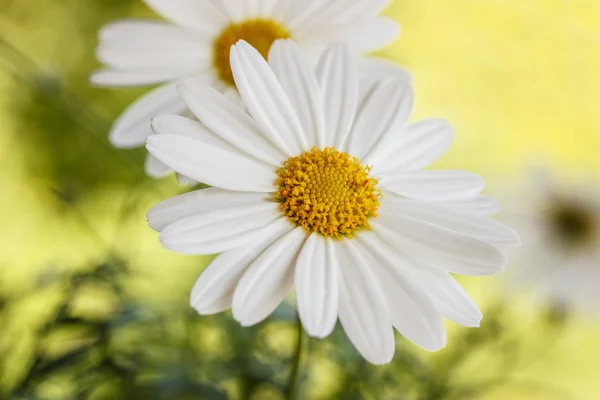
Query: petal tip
[96, 80]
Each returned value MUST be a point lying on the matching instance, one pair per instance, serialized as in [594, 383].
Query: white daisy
[197, 40]
[560, 259]
[320, 186]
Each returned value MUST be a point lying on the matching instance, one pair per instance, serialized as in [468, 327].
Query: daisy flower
[560, 258]
[319, 186]
[196, 42]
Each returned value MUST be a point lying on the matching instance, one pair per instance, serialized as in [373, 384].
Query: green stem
[295, 382]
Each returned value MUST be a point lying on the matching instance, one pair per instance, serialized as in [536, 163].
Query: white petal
[300, 84]
[156, 169]
[450, 299]
[235, 9]
[478, 227]
[480, 205]
[252, 8]
[382, 115]
[372, 34]
[193, 129]
[283, 10]
[183, 126]
[142, 45]
[338, 78]
[204, 15]
[317, 286]
[262, 8]
[186, 181]
[179, 59]
[417, 148]
[354, 10]
[199, 202]
[213, 291]
[313, 15]
[210, 164]
[138, 77]
[268, 280]
[410, 310]
[438, 247]
[143, 33]
[220, 230]
[362, 309]
[323, 16]
[265, 99]
[132, 128]
[233, 96]
[372, 69]
[229, 122]
[432, 185]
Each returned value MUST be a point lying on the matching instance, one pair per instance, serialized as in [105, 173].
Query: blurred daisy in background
[559, 221]
[320, 185]
[196, 43]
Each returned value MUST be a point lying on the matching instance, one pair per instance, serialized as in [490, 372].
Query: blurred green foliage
[100, 343]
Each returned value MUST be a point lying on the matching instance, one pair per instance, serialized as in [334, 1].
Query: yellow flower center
[259, 32]
[573, 223]
[327, 191]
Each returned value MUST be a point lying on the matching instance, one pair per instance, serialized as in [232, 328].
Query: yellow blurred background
[519, 80]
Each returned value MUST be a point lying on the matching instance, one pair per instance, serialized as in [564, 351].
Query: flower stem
[295, 382]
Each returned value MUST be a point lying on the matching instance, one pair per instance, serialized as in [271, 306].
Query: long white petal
[210, 164]
[417, 148]
[432, 185]
[478, 227]
[363, 312]
[298, 81]
[317, 285]
[139, 44]
[156, 169]
[382, 115]
[265, 99]
[229, 122]
[284, 10]
[138, 77]
[327, 15]
[186, 181]
[205, 16]
[143, 33]
[183, 126]
[132, 128]
[312, 15]
[410, 310]
[220, 230]
[235, 9]
[438, 247]
[338, 78]
[259, 8]
[480, 205]
[199, 202]
[371, 34]
[372, 69]
[196, 130]
[360, 9]
[450, 299]
[268, 279]
[177, 59]
[213, 291]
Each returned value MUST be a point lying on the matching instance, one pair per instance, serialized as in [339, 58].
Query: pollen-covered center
[259, 32]
[328, 192]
